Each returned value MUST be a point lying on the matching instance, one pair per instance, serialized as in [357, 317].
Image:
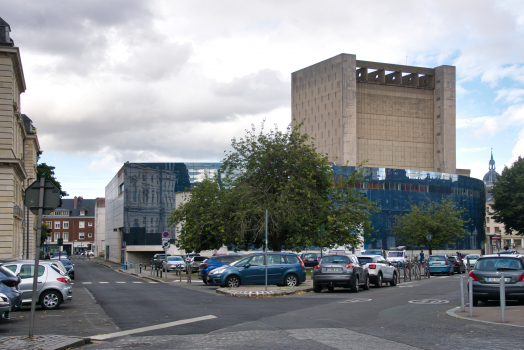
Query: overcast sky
[146, 81]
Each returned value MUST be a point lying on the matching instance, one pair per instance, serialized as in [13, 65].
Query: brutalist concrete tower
[394, 116]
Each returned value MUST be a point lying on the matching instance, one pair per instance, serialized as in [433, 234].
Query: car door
[387, 269]
[276, 266]
[255, 273]
[26, 280]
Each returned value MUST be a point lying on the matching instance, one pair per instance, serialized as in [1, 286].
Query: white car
[397, 257]
[379, 270]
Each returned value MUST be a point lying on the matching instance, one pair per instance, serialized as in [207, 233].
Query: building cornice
[14, 53]
[16, 164]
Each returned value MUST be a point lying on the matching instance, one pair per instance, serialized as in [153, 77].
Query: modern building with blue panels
[395, 190]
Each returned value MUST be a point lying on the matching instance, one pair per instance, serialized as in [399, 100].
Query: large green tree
[508, 195]
[48, 172]
[283, 173]
[442, 219]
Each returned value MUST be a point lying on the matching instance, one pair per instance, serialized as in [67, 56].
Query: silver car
[53, 288]
[5, 306]
[173, 262]
[379, 270]
[340, 271]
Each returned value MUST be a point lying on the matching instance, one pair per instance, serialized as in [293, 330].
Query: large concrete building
[18, 154]
[391, 115]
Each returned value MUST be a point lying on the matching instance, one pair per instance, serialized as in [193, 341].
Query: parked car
[71, 272]
[63, 255]
[486, 277]
[9, 285]
[398, 257]
[471, 259]
[174, 262]
[373, 252]
[340, 271]
[5, 306]
[379, 270]
[439, 263]
[158, 259]
[214, 262]
[54, 286]
[282, 269]
[310, 259]
[458, 264]
[195, 262]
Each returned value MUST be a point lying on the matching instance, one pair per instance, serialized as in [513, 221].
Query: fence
[408, 271]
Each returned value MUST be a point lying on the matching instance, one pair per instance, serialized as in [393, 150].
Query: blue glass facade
[396, 189]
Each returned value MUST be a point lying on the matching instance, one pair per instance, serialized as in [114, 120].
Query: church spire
[492, 162]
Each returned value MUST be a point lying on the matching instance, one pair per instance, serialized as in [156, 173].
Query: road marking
[103, 282]
[121, 282]
[86, 282]
[429, 301]
[138, 282]
[355, 300]
[198, 281]
[152, 328]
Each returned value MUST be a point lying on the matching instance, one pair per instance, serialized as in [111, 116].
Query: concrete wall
[445, 144]
[114, 216]
[100, 226]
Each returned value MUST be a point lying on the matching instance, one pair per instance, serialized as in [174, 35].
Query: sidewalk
[491, 314]
[48, 342]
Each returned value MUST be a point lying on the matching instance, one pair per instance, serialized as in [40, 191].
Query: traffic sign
[51, 197]
[165, 244]
[165, 234]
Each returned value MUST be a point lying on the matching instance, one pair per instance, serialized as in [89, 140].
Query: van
[397, 257]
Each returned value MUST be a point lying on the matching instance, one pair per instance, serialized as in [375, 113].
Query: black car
[340, 271]
[310, 259]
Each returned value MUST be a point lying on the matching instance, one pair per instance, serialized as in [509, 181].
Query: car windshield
[473, 256]
[335, 260]
[174, 258]
[373, 252]
[364, 261]
[498, 264]
[395, 254]
[200, 258]
[437, 258]
[452, 259]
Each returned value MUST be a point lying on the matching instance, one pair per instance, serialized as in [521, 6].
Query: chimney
[75, 202]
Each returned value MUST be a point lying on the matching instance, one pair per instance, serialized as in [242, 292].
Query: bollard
[151, 270]
[131, 265]
[502, 297]
[125, 265]
[462, 305]
[470, 285]
[140, 267]
[161, 273]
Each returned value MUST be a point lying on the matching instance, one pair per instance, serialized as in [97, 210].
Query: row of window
[416, 188]
[67, 213]
[65, 224]
[65, 236]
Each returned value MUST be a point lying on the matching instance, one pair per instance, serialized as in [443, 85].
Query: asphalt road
[388, 317]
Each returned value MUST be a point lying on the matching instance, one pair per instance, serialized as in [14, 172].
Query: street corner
[491, 315]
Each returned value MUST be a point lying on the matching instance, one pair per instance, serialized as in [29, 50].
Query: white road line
[152, 328]
[103, 282]
[120, 282]
[86, 282]
[138, 282]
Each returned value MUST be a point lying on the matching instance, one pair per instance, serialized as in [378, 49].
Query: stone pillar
[349, 110]
[444, 117]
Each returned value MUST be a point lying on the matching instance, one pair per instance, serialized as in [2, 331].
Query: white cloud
[510, 95]
[518, 151]
[478, 168]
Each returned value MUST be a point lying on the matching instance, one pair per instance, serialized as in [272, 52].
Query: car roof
[501, 256]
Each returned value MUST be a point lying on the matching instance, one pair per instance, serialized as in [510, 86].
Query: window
[49, 224]
[274, 259]
[57, 236]
[121, 188]
[497, 230]
[90, 235]
[90, 224]
[487, 219]
[65, 224]
[81, 235]
[82, 212]
[81, 224]
[257, 260]
[57, 224]
[487, 230]
[28, 271]
[66, 236]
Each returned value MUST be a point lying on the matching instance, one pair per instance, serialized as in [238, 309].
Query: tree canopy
[283, 173]
[48, 172]
[508, 196]
[442, 219]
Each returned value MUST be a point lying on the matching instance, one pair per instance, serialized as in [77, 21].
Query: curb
[260, 294]
[66, 343]
[140, 276]
[452, 313]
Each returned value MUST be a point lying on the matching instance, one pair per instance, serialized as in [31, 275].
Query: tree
[443, 220]
[283, 173]
[508, 196]
[48, 172]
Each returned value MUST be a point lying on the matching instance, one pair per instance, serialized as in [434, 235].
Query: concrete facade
[390, 115]
[100, 226]
[18, 154]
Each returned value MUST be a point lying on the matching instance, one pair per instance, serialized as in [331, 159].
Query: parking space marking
[121, 282]
[151, 328]
[103, 282]
[86, 282]
[429, 301]
[138, 282]
[355, 300]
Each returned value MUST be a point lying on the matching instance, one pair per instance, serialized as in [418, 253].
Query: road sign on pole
[51, 197]
[165, 243]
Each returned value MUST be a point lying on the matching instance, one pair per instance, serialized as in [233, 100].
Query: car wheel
[449, 272]
[233, 282]
[316, 288]
[291, 280]
[354, 286]
[393, 283]
[50, 300]
[379, 281]
[366, 286]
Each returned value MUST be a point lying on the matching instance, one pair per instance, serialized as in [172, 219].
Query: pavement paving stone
[47, 342]
[514, 315]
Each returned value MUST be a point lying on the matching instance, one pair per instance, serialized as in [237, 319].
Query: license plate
[332, 269]
[497, 279]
